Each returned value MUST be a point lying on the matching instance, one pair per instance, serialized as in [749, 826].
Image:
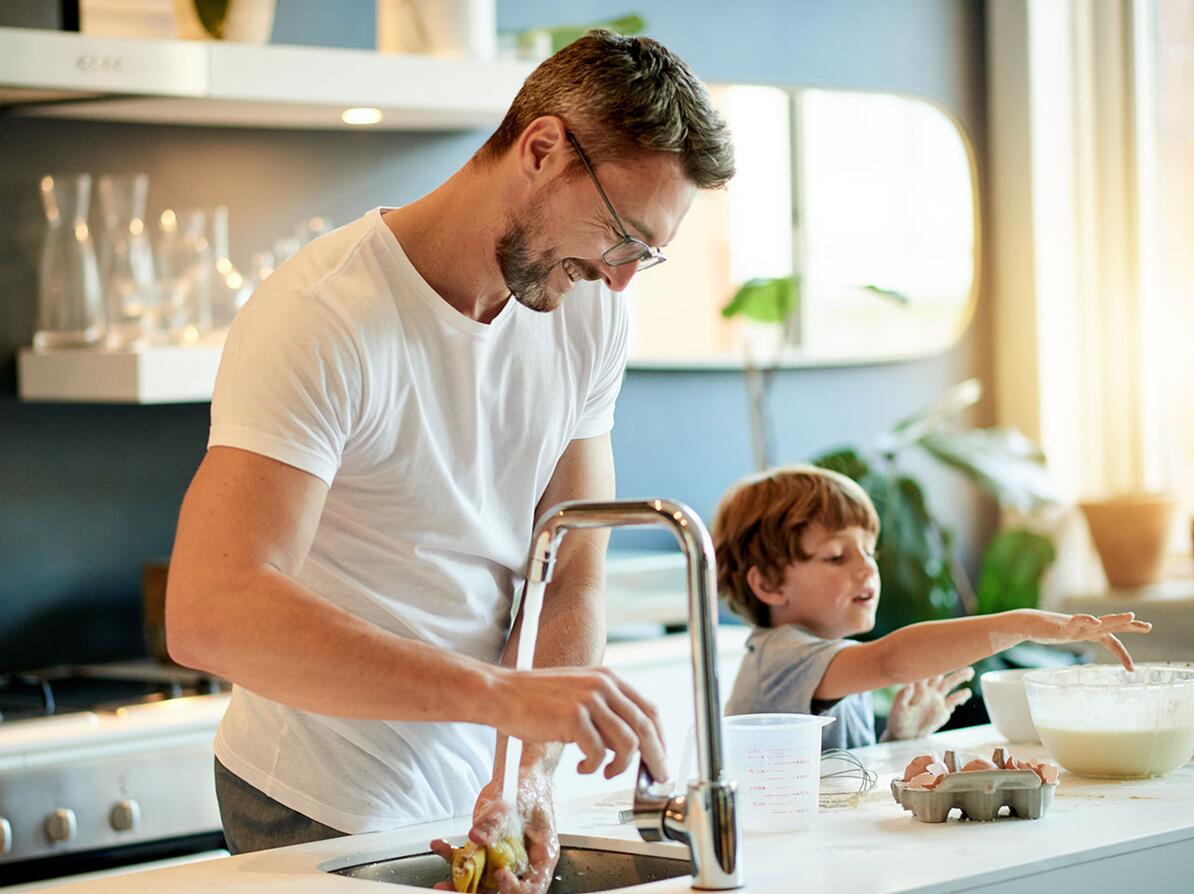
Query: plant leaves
[890, 294]
[936, 415]
[765, 299]
[629, 24]
[212, 14]
[1001, 461]
[846, 462]
[562, 35]
[1013, 564]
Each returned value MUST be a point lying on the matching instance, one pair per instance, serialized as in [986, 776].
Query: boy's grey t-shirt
[781, 671]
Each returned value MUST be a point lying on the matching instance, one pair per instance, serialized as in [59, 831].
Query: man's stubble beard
[526, 275]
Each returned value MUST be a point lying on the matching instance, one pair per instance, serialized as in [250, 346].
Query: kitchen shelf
[215, 83]
[156, 375]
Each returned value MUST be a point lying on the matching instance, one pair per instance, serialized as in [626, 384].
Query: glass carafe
[185, 267]
[126, 259]
[70, 310]
[227, 281]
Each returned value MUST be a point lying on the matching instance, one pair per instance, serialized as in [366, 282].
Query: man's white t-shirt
[437, 436]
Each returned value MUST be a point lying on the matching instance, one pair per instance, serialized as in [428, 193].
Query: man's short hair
[760, 522]
[622, 96]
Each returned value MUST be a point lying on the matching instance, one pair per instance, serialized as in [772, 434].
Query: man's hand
[1051, 627]
[921, 708]
[592, 707]
[493, 818]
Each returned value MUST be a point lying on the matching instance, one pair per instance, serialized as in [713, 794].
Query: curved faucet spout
[706, 819]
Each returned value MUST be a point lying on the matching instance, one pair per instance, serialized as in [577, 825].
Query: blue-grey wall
[88, 493]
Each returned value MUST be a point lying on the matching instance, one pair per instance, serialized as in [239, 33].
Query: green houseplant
[775, 301]
[922, 576]
[773, 305]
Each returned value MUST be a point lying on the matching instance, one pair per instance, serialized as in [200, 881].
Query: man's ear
[766, 591]
[543, 149]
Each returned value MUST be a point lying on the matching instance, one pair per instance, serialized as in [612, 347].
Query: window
[1172, 71]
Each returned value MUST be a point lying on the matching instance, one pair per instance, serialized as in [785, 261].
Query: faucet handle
[655, 806]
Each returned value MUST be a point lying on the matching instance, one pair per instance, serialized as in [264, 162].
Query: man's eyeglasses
[626, 250]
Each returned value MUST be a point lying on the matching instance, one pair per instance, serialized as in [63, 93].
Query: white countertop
[875, 848]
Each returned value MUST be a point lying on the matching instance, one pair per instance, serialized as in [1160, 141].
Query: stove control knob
[5, 836]
[61, 825]
[125, 815]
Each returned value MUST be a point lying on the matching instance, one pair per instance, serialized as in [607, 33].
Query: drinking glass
[185, 265]
[227, 282]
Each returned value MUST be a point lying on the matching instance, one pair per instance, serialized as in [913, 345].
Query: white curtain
[1086, 342]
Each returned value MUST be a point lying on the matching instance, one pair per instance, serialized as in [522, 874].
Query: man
[386, 427]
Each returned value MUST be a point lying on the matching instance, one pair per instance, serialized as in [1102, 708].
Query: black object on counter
[55, 15]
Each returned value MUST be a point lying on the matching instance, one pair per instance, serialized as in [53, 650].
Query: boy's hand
[921, 708]
[1053, 628]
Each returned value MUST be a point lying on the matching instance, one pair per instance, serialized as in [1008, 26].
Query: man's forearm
[251, 629]
[571, 634]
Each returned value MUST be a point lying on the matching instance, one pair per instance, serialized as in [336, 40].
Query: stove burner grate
[69, 690]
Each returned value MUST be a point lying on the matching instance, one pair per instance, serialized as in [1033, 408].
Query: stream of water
[531, 605]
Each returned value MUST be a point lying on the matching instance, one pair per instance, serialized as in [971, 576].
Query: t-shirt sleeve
[288, 384]
[793, 669]
[597, 417]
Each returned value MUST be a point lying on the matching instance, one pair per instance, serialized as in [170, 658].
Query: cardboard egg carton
[980, 795]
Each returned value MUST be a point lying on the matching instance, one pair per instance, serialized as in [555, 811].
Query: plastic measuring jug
[776, 761]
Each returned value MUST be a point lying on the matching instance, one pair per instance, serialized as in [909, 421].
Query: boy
[796, 559]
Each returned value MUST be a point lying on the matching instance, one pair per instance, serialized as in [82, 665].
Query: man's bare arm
[571, 632]
[234, 608]
[572, 623]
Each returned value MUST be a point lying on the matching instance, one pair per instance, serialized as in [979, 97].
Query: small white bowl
[1007, 704]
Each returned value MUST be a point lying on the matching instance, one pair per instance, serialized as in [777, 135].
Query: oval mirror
[852, 219]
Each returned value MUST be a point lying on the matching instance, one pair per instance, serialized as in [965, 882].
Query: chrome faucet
[706, 818]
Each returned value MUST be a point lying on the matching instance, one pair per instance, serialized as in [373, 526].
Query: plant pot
[1130, 533]
[452, 28]
[247, 21]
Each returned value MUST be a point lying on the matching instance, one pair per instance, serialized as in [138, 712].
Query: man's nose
[618, 278]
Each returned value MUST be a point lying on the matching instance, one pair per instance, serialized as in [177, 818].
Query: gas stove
[104, 764]
[72, 689]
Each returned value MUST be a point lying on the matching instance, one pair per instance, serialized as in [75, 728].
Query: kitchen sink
[586, 864]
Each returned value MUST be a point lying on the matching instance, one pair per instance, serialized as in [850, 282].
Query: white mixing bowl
[1007, 704]
[1100, 720]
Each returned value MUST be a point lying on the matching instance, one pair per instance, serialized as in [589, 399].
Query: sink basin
[586, 864]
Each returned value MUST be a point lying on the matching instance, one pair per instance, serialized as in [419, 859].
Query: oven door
[108, 804]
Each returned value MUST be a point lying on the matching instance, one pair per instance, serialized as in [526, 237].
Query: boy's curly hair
[760, 522]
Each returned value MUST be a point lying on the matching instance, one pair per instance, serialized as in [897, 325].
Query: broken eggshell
[979, 788]
[918, 765]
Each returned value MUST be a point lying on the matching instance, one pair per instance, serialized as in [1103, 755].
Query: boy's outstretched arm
[937, 647]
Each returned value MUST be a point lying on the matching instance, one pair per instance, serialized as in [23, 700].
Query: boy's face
[835, 593]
